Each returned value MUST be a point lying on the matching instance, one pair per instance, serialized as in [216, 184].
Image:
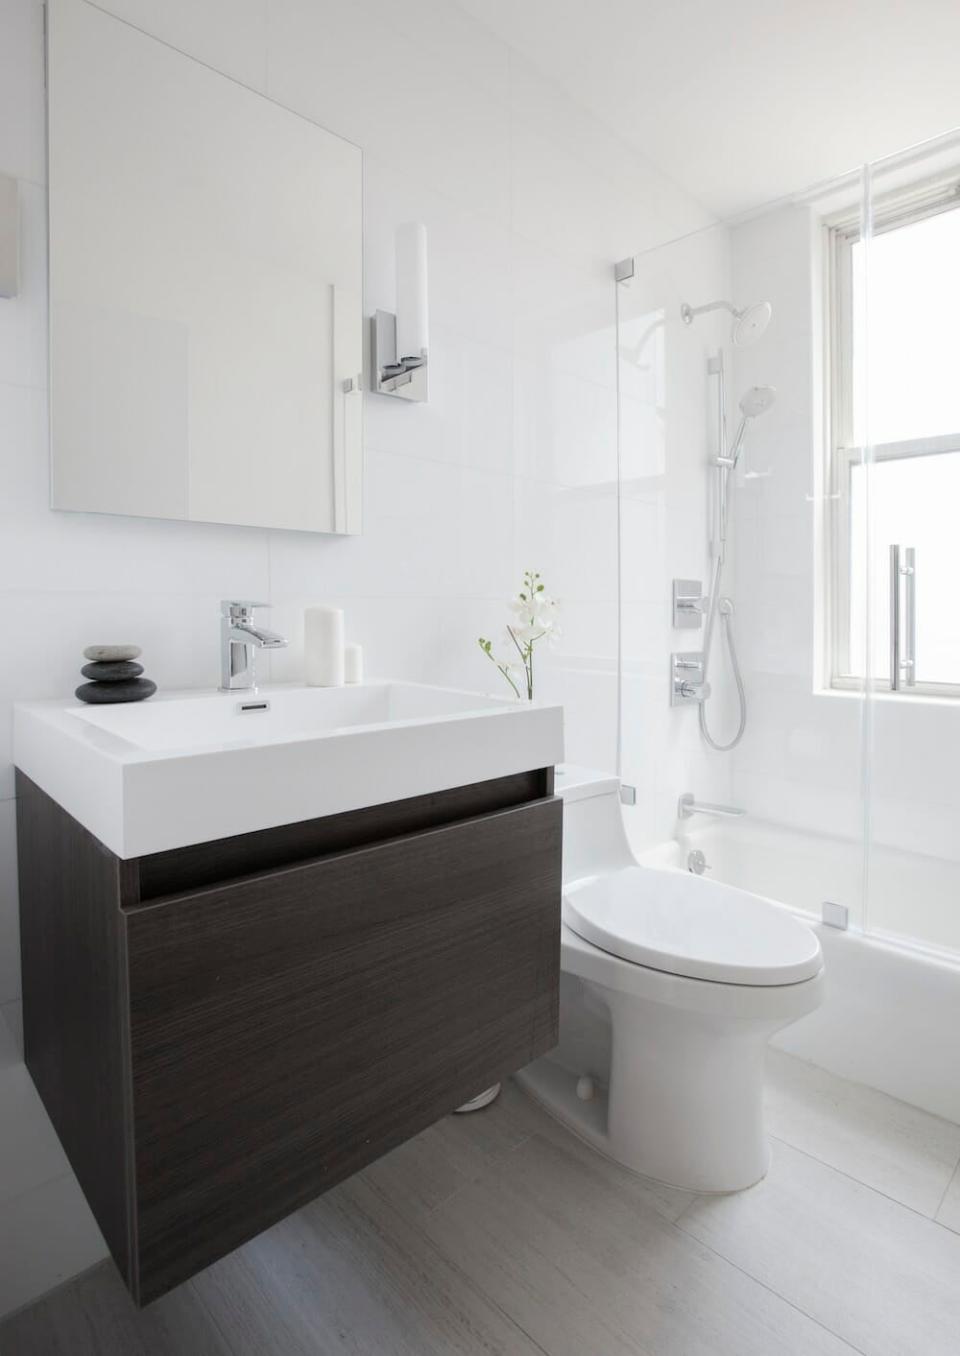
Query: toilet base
[684, 1104]
[686, 1094]
[554, 1088]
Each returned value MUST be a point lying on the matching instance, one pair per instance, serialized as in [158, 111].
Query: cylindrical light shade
[412, 327]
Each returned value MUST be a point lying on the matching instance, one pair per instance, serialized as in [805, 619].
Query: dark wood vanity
[221, 1032]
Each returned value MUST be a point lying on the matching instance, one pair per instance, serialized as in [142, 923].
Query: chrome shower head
[748, 324]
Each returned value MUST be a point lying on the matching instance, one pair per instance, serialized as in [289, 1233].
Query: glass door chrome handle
[903, 617]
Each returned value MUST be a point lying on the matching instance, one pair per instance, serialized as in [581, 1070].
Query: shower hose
[725, 608]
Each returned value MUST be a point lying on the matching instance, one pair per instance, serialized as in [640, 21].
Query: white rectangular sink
[190, 767]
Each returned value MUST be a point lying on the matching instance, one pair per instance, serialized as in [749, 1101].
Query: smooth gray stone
[127, 690]
[112, 652]
[112, 671]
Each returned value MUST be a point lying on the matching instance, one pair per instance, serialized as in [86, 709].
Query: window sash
[844, 460]
[840, 234]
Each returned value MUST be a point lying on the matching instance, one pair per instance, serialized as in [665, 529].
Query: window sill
[950, 701]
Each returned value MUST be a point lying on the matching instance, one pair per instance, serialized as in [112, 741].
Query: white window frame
[840, 233]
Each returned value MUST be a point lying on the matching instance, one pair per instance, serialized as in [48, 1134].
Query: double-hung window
[893, 474]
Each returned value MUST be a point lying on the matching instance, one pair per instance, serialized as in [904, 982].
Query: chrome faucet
[687, 806]
[239, 642]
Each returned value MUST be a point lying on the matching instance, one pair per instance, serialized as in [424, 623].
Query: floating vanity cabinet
[221, 1032]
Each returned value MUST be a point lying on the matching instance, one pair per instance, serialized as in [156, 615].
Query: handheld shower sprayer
[755, 402]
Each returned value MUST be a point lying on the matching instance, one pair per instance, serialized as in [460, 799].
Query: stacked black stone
[114, 676]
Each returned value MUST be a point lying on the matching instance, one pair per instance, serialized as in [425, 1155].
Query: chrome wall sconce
[400, 342]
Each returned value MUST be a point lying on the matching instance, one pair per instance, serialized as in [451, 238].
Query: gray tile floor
[500, 1233]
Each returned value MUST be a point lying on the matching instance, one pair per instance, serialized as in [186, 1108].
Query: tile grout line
[466, 1279]
[946, 1191]
[791, 1304]
[198, 1295]
[778, 1139]
[667, 1223]
[495, 1160]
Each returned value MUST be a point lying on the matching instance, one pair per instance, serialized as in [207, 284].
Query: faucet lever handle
[238, 609]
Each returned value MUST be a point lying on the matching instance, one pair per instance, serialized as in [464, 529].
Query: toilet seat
[684, 925]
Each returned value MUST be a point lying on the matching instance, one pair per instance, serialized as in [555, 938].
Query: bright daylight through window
[894, 472]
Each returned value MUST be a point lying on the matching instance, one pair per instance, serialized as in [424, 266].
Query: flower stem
[502, 668]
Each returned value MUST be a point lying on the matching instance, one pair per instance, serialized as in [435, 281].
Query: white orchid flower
[535, 613]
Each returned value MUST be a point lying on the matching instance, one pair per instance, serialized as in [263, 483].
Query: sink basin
[194, 766]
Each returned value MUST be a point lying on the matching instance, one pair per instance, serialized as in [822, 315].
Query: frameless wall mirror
[205, 291]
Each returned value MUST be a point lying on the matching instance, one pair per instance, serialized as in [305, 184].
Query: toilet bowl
[672, 986]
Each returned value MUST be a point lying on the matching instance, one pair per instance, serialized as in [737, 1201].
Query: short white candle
[353, 663]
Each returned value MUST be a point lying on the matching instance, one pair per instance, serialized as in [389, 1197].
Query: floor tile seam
[884, 1195]
[771, 1290]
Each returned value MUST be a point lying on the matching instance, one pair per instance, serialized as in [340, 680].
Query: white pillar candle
[353, 663]
[323, 646]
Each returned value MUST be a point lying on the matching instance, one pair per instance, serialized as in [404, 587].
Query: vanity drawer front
[289, 1028]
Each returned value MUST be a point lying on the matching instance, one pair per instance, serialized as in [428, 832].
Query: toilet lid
[685, 925]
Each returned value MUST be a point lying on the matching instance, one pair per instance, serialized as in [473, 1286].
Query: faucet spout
[258, 636]
[687, 807]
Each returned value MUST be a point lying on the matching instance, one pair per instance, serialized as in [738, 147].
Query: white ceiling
[743, 101]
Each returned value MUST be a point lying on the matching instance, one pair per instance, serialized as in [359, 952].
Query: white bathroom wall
[527, 201]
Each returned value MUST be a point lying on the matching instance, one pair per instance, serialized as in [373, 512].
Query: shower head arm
[749, 322]
[690, 313]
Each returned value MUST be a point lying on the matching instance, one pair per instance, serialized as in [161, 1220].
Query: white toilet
[672, 986]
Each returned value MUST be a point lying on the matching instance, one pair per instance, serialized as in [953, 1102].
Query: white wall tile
[84, 552]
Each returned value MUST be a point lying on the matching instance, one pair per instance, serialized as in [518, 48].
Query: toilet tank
[594, 838]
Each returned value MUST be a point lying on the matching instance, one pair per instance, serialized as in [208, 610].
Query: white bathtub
[891, 1015]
